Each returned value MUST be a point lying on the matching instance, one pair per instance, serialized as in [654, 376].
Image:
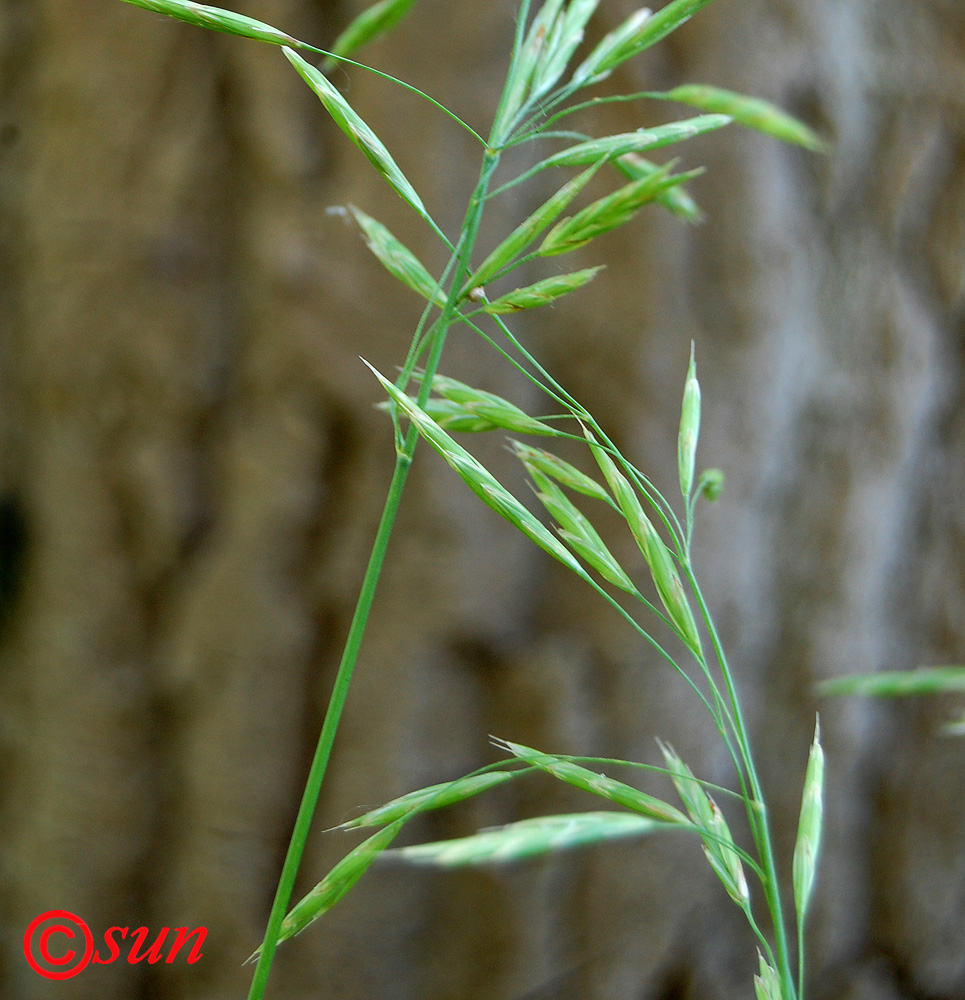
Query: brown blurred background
[191, 470]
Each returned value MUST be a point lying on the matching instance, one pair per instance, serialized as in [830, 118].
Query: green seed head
[809, 828]
[689, 429]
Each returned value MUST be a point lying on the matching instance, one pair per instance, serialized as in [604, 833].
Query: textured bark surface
[191, 470]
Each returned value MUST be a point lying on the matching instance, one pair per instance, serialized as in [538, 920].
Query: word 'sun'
[50, 959]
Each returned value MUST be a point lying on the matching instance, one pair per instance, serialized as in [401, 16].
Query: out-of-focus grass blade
[357, 130]
[598, 784]
[896, 684]
[956, 728]
[438, 796]
[767, 985]
[750, 111]
[397, 258]
[543, 292]
[667, 19]
[376, 20]
[567, 35]
[612, 146]
[219, 19]
[674, 199]
[531, 837]
[615, 47]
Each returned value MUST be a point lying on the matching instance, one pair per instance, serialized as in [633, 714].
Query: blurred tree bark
[191, 470]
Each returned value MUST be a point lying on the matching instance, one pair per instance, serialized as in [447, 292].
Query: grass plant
[545, 84]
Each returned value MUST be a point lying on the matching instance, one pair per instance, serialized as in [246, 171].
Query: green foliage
[372, 23]
[532, 99]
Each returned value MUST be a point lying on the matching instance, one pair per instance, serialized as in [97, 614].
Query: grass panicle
[532, 100]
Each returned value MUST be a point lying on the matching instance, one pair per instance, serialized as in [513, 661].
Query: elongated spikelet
[218, 19]
[397, 258]
[614, 48]
[438, 796]
[564, 473]
[613, 146]
[689, 429]
[675, 199]
[579, 534]
[808, 842]
[497, 412]
[543, 292]
[598, 784]
[751, 112]
[351, 123]
[655, 552]
[530, 838]
[767, 985]
[608, 213]
[336, 883]
[718, 843]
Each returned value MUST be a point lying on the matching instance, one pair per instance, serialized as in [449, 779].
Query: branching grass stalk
[363, 607]
[527, 108]
[728, 718]
[757, 813]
